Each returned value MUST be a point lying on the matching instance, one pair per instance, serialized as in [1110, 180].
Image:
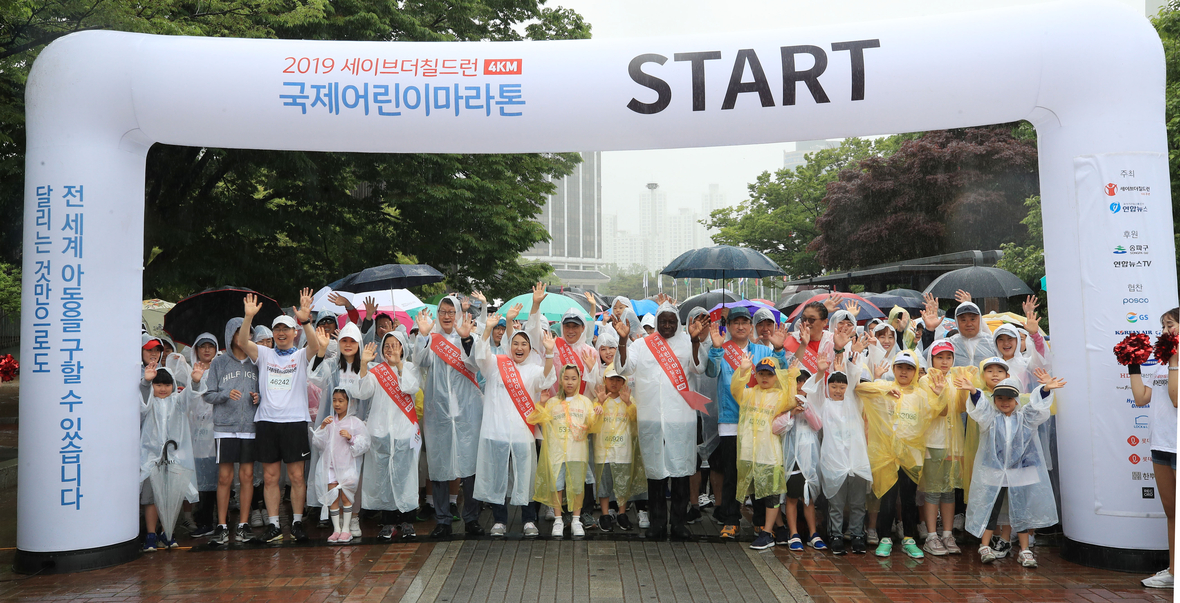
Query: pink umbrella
[397, 313]
[868, 310]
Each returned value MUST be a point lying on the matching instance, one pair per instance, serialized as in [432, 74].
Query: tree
[280, 220]
[1027, 261]
[9, 289]
[1167, 25]
[947, 190]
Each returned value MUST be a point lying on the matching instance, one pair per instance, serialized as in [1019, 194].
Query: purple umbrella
[753, 306]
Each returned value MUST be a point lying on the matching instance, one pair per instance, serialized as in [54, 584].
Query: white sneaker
[871, 537]
[256, 520]
[549, 514]
[576, 529]
[1162, 579]
[922, 531]
[531, 531]
[558, 528]
[354, 526]
[644, 521]
[499, 529]
[1027, 559]
[703, 500]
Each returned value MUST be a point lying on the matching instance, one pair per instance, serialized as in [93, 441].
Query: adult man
[666, 409]
[724, 359]
[973, 342]
[232, 380]
[452, 411]
[281, 420]
[764, 324]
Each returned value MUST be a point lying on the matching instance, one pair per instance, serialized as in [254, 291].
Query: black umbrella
[209, 310]
[979, 281]
[888, 300]
[706, 300]
[581, 299]
[389, 276]
[788, 303]
[904, 293]
[722, 262]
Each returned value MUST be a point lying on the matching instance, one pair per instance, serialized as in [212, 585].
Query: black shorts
[234, 450]
[286, 442]
[795, 485]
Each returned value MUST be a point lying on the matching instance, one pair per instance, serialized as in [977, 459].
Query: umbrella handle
[174, 447]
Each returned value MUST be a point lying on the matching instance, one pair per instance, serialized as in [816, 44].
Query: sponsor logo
[1142, 476]
[1134, 441]
[1120, 250]
[1111, 189]
[1136, 300]
[1141, 421]
[1133, 317]
[1131, 263]
[1148, 492]
[1135, 288]
[502, 66]
[1134, 458]
[1115, 207]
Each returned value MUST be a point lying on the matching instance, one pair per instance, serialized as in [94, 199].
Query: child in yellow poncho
[618, 466]
[568, 419]
[943, 467]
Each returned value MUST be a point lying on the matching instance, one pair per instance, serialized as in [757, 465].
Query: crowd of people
[898, 432]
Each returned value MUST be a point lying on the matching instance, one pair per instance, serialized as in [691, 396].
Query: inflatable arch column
[1089, 76]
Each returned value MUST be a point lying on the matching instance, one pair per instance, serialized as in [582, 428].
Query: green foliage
[1167, 25]
[9, 289]
[629, 282]
[277, 221]
[1027, 261]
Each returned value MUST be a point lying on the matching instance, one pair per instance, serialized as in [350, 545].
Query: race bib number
[279, 382]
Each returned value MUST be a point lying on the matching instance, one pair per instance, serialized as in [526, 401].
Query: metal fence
[9, 330]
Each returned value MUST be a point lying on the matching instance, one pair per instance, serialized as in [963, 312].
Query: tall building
[711, 201]
[796, 158]
[573, 218]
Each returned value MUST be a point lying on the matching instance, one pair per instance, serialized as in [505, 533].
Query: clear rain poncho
[844, 451]
[627, 312]
[200, 418]
[951, 473]
[328, 376]
[567, 424]
[1022, 366]
[1010, 456]
[452, 407]
[507, 455]
[163, 420]
[760, 453]
[339, 459]
[391, 464]
[667, 424]
[706, 386]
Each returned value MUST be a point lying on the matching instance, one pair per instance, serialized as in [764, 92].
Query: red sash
[733, 354]
[671, 365]
[389, 381]
[566, 354]
[450, 354]
[510, 375]
[809, 357]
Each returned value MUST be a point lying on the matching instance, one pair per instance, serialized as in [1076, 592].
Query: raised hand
[965, 384]
[804, 333]
[198, 371]
[589, 359]
[880, 370]
[832, 303]
[747, 361]
[465, 326]
[930, 312]
[870, 338]
[538, 295]
[1048, 382]
[371, 308]
[544, 396]
[600, 392]
[853, 308]
[962, 296]
[779, 335]
[623, 328]
[823, 364]
[339, 300]
[513, 312]
[590, 298]
[842, 336]
[369, 354]
[715, 334]
[625, 394]
[1031, 323]
[860, 342]
[695, 328]
[839, 366]
[322, 336]
[549, 341]
[303, 314]
[251, 305]
[937, 382]
[480, 296]
[149, 372]
[425, 323]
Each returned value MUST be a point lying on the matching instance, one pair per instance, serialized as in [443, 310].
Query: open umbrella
[401, 298]
[581, 299]
[431, 309]
[979, 281]
[701, 300]
[903, 293]
[170, 480]
[389, 276]
[722, 262]
[886, 300]
[209, 310]
[644, 307]
[789, 302]
[715, 313]
[402, 316]
[553, 307]
[867, 310]
[765, 302]
[153, 315]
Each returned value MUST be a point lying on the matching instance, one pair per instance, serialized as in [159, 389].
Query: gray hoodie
[227, 373]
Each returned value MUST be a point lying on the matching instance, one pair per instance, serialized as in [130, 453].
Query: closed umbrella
[867, 310]
[209, 310]
[701, 300]
[170, 480]
[979, 281]
[788, 302]
[389, 276]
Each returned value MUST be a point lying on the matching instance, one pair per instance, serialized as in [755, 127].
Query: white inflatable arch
[1089, 76]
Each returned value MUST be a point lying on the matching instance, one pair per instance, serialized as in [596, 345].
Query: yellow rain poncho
[566, 426]
[951, 472]
[616, 450]
[759, 451]
[896, 429]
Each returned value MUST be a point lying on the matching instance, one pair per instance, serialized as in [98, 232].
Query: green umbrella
[431, 309]
[553, 307]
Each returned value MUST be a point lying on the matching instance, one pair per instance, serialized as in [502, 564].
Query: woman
[1163, 440]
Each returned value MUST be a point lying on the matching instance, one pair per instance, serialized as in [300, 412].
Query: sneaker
[576, 529]
[922, 531]
[763, 541]
[871, 537]
[681, 532]
[644, 520]
[344, 537]
[256, 519]
[1162, 579]
[858, 545]
[837, 547]
[781, 535]
[202, 531]
[986, 554]
[531, 531]
[694, 515]
[1027, 559]
[703, 501]
[712, 500]
[149, 545]
[959, 521]
[1001, 547]
[334, 537]
[170, 541]
[272, 533]
[243, 533]
[558, 528]
[934, 545]
[884, 548]
[587, 518]
[186, 524]
[407, 531]
[354, 526]
[729, 532]
[816, 542]
[911, 548]
[441, 531]
[455, 512]
[473, 529]
[549, 516]
[624, 522]
[951, 546]
[498, 530]
[299, 535]
[220, 535]
[606, 524]
[795, 543]
[387, 533]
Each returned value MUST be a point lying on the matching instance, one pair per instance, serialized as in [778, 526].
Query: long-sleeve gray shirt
[226, 373]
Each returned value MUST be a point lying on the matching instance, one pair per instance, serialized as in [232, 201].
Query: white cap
[283, 319]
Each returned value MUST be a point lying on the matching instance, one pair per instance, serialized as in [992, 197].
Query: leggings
[909, 508]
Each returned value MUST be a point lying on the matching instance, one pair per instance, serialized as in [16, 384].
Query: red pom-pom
[8, 367]
[1165, 347]
[1134, 349]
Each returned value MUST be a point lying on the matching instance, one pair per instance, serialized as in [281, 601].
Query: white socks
[335, 514]
[273, 520]
[454, 499]
[946, 533]
[346, 521]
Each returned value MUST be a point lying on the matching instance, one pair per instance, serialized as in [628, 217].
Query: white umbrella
[401, 298]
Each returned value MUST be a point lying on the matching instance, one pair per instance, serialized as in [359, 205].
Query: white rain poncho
[262, 332]
[621, 309]
[1021, 366]
[1010, 455]
[667, 424]
[844, 451]
[452, 408]
[878, 353]
[507, 456]
[970, 352]
[164, 419]
[592, 372]
[200, 417]
[706, 386]
[801, 446]
[339, 459]
[327, 377]
[391, 464]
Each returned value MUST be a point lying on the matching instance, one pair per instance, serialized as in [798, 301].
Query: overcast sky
[685, 174]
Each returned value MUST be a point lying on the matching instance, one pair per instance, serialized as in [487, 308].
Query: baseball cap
[1008, 388]
[739, 312]
[905, 357]
[150, 342]
[966, 308]
[611, 372]
[572, 316]
[994, 360]
[766, 364]
[285, 320]
[942, 345]
[761, 315]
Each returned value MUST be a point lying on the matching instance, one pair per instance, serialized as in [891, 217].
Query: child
[164, 420]
[899, 414]
[561, 466]
[942, 467]
[844, 458]
[759, 452]
[342, 440]
[1010, 462]
[801, 452]
[618, 468]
